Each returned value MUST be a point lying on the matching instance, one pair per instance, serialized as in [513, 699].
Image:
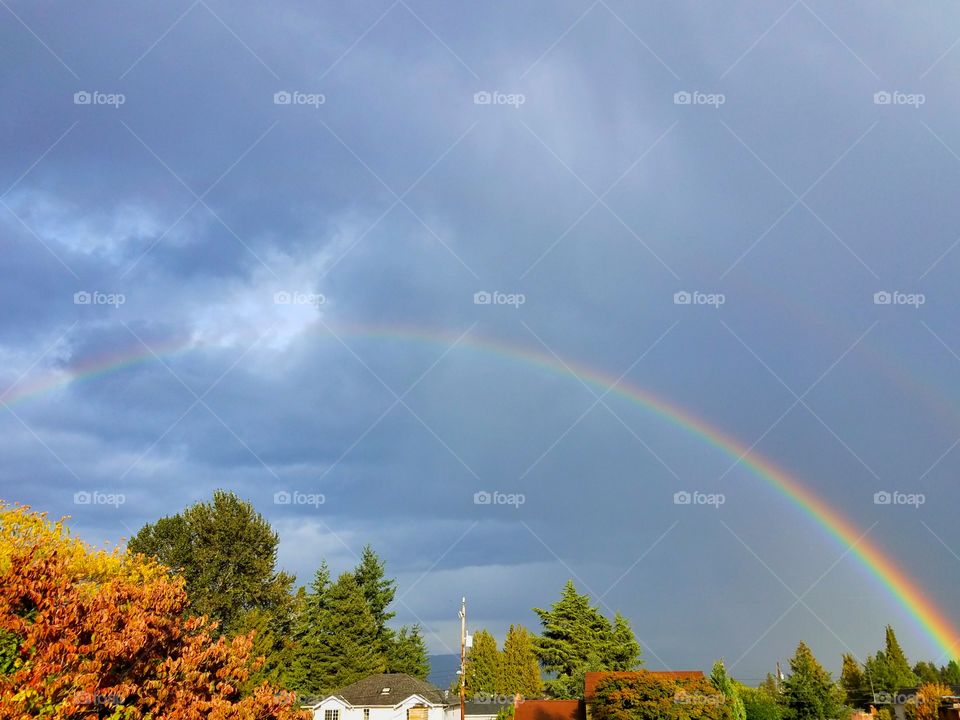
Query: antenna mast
[463, 658]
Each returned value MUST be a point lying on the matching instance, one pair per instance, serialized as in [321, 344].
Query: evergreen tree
[897, 662]
[950, 673]
[483, 674]
[624, 652]
[852, 679]
[770, 685]
[379, 592]
[760, 703]
[577, 639]
[927, 673]
[722, 682]
[227, 553]
[311, 607]
[407, 653]
[520, 671]
[888, 670]
[879, 675]
[341, 647]
[810, 693]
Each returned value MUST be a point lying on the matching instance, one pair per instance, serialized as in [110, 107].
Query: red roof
[592, 679]
[550, 710]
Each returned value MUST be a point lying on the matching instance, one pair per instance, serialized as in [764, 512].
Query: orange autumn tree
[88, 633]
[927, 701]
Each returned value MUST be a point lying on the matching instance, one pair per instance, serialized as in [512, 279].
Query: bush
[644, 696]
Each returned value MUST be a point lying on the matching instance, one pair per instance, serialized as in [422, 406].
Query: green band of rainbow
[928, 617]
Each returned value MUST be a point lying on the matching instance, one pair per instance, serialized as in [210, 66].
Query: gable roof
[592, 679]
[398, 686]
[550, 710]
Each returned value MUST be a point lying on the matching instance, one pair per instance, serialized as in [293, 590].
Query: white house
[387, 696]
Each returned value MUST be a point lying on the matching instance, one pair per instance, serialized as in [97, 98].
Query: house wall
[378, 713]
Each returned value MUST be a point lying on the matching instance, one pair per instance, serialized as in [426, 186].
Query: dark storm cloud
[395, 199]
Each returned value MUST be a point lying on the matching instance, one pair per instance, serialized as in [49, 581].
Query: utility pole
[463, 658]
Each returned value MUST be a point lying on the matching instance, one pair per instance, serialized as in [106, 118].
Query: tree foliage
[644, 696]
[810, 693]
[723, 683]
[407, 653]
[889, 671]
[852, 679]
[950, 673]
[337, 642]
[483, 670]
[760, 703]
[927, 673]
[520, 671]
[101, 634]
[227, 553]
[927, 705]
[577, 638]
[379, 591]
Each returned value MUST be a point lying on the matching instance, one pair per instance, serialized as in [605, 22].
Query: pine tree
[810, 693]
[770, 685]
[624, 652]
[309, 619]
[722, 682]
[407, 653]
[520, 671]
[379, 592]
[337, 645]
[483, 675]
[851, 676]
[577, 639]
[927, 673]
[877, 673]
[950, 673]
[897, 663]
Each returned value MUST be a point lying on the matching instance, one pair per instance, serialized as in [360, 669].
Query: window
[366, 714]
[417, 713]
[331, 715]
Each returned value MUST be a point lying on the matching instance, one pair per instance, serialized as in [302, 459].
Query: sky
[397, 271]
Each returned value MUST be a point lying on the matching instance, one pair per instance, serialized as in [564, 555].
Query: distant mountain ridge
[443, 670]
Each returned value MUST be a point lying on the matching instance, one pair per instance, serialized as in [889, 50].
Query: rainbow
[931, 619]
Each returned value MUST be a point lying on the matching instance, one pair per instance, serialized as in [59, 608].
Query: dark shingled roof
[369, 691]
